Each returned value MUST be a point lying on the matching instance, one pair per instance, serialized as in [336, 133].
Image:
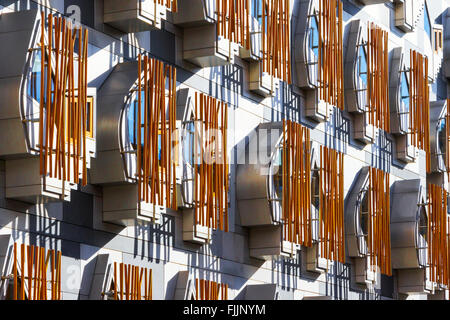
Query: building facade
[211, 149]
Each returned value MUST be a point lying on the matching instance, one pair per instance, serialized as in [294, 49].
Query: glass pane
[362, 65]
[278, 174]
[314, 36]
[404, 91]
[427, 24]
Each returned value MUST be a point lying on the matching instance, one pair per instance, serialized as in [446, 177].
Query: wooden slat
[419, 113]
[37, 259]
[61, 109]
[379, 221]
[330, 60]
[211, 169]
[438, 240]
[296, 176]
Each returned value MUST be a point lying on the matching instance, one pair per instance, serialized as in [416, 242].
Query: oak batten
[31, 266]
[419, 100]
[438, 235]
[331, 212]
[156, 176]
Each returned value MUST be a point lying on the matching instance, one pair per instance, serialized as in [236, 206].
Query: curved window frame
[404, 99]
[275, 201]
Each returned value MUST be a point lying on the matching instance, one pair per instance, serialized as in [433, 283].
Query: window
[438, 43]
[133, 126]
[426, 22]
[34, 80]
[89, 119]
[362, 67]
[189, 140]
[364, 215]
[278, 174]
[314, 37]
[442, 136]
[423, 223]
[256, 10]
[315, 201]
[404, 94]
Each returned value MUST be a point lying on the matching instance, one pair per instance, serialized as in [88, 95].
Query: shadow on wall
[337, 131]
[154, 241]
[338, 281]
[382, 152]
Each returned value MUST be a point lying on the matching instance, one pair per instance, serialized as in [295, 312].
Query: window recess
[368, 225]
[330, 244]
[319, 62]
[209, 209]
[137, 15]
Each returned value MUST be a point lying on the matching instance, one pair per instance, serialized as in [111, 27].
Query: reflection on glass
[314, 36]
[133, 126]
[364, 215]
[34, 80]
[362, 66]
[442, 132]
[278, 174]
[426, 22]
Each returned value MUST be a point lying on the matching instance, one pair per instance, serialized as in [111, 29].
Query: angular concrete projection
[355, 229]
[115, 166]
[438, 139]
[202, 44]
[102, 278]
[254, 184]
[20, 117]
[306, 64]
[409, 229]
[399, 90]
[135, 15]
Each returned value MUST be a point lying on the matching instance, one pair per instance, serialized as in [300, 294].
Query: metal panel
[109, 166]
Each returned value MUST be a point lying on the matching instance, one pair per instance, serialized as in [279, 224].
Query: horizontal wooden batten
[156, 177]
[211, 163]
[132, 282]
[296, 177]
[379, 238]
[438, 235]
[59, 96]
[331, 211]
[33, 262]
[210, 290]
[419, 101]
[330, 61]
[378, 78]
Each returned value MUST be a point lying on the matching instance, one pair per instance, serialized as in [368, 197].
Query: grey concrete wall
[77, 228]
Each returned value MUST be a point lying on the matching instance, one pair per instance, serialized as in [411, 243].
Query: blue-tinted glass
[34, 80]
[188, 148]
[257, 10]
[404, 88]
[314, 36]
[132, 118]
[362, 65]
[427, 24]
